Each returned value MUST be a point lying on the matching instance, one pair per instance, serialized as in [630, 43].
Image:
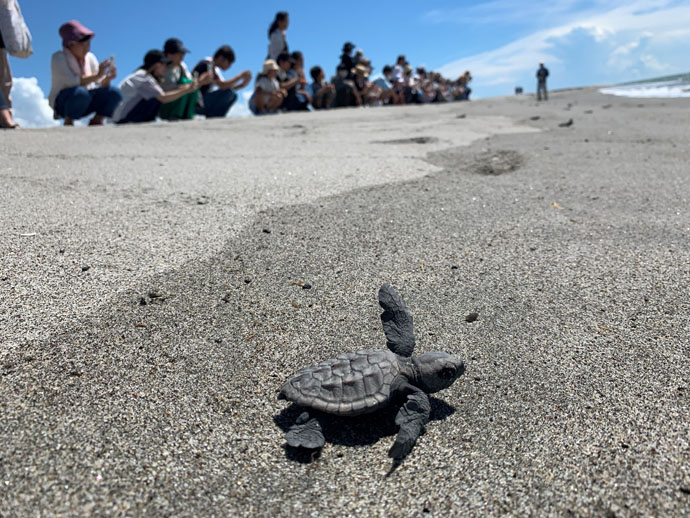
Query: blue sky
[500, 41]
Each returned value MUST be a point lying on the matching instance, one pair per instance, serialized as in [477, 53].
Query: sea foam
[672, 86]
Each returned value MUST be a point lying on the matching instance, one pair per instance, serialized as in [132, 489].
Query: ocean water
[669, 86]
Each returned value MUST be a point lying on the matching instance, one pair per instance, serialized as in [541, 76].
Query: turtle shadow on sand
[362, 430]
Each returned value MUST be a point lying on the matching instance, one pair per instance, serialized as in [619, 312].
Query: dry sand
[151, 305]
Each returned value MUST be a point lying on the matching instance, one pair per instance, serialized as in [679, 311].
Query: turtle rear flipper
[306, 433]
[411, 418]
[397, 321]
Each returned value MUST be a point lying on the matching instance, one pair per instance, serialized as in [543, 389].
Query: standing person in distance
[542, 74]
[218, 97]
[347, 62]
[276, 35]
[142, 94]
[80, 84]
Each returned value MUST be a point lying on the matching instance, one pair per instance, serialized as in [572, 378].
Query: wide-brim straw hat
[269, 65]
[360, 70]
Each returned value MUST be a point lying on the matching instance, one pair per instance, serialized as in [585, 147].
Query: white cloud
[506, 11]
[612, 44]
[29, 104]
[626, 49]
[241, 106]
[652, 63]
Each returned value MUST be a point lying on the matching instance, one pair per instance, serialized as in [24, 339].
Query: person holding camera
[142, 93]
[218, 97]
[80, 84]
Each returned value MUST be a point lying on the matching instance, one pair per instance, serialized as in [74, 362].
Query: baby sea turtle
[365, 381]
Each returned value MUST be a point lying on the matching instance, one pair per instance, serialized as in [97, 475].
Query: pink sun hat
[74, 31]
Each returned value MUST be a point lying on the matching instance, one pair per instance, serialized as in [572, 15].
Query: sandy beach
[153, 301]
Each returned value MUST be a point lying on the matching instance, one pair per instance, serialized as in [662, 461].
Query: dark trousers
[78, 102]
[541, 90]
[218, 103]
[3, 102]
[143, 111]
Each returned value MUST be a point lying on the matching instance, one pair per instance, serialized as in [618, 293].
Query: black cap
[173, 46]
[154, 56]
[349, 45]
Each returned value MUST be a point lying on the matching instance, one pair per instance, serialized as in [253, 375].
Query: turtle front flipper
[411, 418]
[397, 321]
[306, 433]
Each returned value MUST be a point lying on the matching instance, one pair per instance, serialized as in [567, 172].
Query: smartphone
[111, 60]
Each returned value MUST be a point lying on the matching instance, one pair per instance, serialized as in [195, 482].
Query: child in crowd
[288, 82]
[366, 93]
[302, 96]
[389, 95]
[398, 74]
[177, 74]
[276, 35]
[218, 97]
[267, 96]
[359, 56]
[142, 93]
[463, 90]
[347, 62]
[80, 84]
[322, 93]
[345, 94]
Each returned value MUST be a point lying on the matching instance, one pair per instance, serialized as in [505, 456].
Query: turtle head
[437, 371]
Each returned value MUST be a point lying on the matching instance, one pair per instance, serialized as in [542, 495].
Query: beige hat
[360, 70]
[269, 65]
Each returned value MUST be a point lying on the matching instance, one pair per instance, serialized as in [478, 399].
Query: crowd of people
[283, 85]
[165, 87]
[162, 87]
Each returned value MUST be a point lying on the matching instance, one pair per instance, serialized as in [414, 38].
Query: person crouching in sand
[143, 95]
[268, 96]
[80, 84]
[218, 97]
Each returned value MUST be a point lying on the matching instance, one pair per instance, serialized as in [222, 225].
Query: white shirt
[398, 76]
[267, 85]
[63, 77]
[218, 73]
[277, 44]
[139, 86]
